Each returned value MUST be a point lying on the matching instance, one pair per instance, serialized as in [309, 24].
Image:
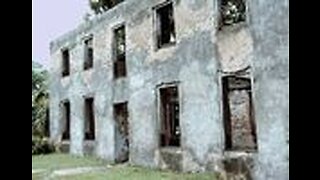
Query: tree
[95, 5]
[99, 6]
[40, 100]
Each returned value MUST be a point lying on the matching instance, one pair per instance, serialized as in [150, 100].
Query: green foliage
[99, 6]
[232, 11]
[41, 146]
[120, 41]
[40, 100]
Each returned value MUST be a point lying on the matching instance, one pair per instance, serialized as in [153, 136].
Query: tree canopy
[99, 6]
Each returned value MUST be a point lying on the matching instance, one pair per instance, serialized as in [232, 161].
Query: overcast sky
[50, 19]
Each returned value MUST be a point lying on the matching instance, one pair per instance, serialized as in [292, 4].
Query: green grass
[135, 173]
[62, 161]
[59, 161]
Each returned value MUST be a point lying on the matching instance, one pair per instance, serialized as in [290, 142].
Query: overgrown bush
[40, 101]
[41, 146]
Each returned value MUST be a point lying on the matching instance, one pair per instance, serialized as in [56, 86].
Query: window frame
[157, 26]
[65, 110]
[159, 113]
[91, 135]
[88, 59]
[119, 59]
[65, 63]
[226, 114]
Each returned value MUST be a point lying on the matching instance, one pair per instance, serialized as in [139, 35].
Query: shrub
[40, 101]
[41, 146]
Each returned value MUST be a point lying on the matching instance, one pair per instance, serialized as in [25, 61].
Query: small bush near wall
[41, 146]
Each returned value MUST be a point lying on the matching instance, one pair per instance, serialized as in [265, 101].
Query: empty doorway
[121, 132]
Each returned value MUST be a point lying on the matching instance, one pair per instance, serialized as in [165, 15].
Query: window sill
[171, 149]
[65, 141]
[166, 46]
[89, 140]
[232, 27]
[65, 76]
[88, 68]
[239, 153]
[121, 78]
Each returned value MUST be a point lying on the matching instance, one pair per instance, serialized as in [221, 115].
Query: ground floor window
[66, 120]
[120, 113]
[169, 116]
[89, 119]
[239, 123]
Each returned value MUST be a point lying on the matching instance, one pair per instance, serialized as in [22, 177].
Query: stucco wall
[269, 24]
[194, 64]
[190, 62]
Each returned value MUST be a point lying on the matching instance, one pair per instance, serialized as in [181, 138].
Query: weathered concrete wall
[194, 64]
[235, 46]
[190, 62]
[269, 24]
[94, 82]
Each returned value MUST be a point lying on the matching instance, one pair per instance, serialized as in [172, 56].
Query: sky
[51, 19]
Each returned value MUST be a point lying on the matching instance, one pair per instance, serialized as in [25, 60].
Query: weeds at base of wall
[41, 145]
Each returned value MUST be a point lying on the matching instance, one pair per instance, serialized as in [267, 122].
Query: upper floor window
[119, 52]
[232, 11]
[65, 63]
[165, 27]
[88, 53]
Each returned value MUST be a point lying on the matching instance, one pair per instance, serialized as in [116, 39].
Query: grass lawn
[63, 161]
[49, 163]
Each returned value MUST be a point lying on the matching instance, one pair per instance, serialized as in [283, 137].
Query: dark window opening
[65, 63]
[88, 62]
[66, 120]
[122, 131]
[47, 124]
[121, 117]
[165, 26]
[89, 119]
[239, 123]
[119, 52]
[232, 11]
[169, 114]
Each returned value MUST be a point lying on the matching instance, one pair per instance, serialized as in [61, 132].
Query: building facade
[177, 84]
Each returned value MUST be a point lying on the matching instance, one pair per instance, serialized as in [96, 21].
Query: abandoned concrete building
[175, 84]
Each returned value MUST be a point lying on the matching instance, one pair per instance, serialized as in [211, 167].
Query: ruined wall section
[96, 82]
[235, 48]
[196, 63]
[192, 65]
